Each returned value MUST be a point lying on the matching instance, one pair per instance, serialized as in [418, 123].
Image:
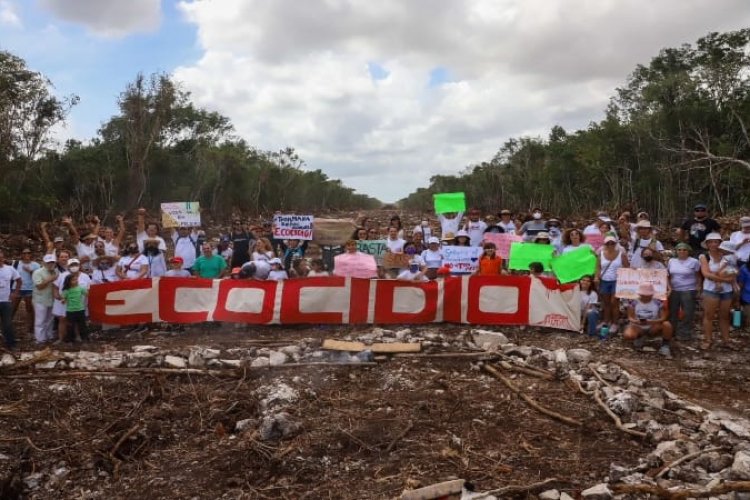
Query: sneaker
[639, 343]
[665, 351]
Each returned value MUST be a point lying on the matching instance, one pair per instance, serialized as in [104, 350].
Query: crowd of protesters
[703, 267]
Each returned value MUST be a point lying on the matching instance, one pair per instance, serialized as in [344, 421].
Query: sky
[380, 94]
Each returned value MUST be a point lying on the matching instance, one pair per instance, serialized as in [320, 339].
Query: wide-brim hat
[710, 237]
[643, 224]
[542, 235]
[448, 236]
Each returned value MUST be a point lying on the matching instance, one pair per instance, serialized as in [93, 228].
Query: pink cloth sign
[355, 265]
[502, 241]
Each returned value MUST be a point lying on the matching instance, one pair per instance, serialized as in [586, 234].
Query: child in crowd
[589, 306]
[413, 272]
[536, 269]
[74, 298]
[277, 271]
[176, 270]
[317, 269]
[490, 264]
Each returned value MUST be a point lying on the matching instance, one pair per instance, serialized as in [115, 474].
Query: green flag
[523, 254]
[574, 265]
[449, 202]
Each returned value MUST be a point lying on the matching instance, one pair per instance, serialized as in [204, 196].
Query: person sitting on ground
[185, 241]
[132, 265]
[208, 265]
[151, 245]
[277, 271]
[490, 263]
[647, 317]
[432, 257]
[589, 306]
[255, 270]
[475, 228]
[450, 222]
[317, 269]
[177, 268]
[413, 273]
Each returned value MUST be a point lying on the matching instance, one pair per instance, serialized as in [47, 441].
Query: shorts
[26, 293]
[722, 296]
[607, 287]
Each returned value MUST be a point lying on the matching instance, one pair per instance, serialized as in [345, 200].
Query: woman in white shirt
[685, 281]
[717, 289]
[263, 250]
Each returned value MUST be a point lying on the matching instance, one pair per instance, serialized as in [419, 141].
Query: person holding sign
[151, 245]
[354, 264]
[185, 241]
[647, 316]
[450, 208]
[611, 258]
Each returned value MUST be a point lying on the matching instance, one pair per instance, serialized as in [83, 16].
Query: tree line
[159, 147]
[674, 134]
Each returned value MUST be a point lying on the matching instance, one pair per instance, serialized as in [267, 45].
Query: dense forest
[158, 148]
[674, 134]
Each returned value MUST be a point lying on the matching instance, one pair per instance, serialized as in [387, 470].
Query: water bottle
[604, 332]
[736, 318]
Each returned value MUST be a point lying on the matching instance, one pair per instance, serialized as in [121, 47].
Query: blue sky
[382, 95]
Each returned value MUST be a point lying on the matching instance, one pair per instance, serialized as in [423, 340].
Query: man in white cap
[593, 228]
[644, 239]
[647, 317]
[42, 298]
[741, 241]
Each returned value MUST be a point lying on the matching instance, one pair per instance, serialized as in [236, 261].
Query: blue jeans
[592, 319]
[686, 300]
[6, 318]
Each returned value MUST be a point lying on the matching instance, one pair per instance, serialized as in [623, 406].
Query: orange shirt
[490, 267]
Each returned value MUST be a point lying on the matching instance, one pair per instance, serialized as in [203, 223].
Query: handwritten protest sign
[629, 279]
[523, 254]
[595, 240]
[461, 260]
[181, 214]
[296, 227]
[393, 260]
[355, 265]
[574, 265]
[502, 241]
[449, 202]
[376, 248]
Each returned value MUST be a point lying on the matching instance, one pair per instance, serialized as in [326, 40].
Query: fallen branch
[400, 436]
[684, 459]
[529, 401]
[122, 439]
[596, 374]
[514, 490]
[480, 355]
[720, 489]
[40, 357]
[613, 415]
[31, 443]
[526, 371]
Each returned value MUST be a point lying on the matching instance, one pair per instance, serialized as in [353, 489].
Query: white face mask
[537, 215]
[74, 269]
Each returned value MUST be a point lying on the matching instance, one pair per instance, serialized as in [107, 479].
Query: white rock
[402, 334]
[579, 355]
[598, 492]
[209, 353]
[549, 495]
[3, 456]
[260, 362]
[232, 363]
[277, 358]
[7, 360]
[277, 395]
[741, 465]
[565, 496]
[736, 428]
[291, 350]
[489, 340]
[175, 361]
[195, 359]
[242, 425]
[561, 359]
[46, 365]
[137, 359]
[145, 348]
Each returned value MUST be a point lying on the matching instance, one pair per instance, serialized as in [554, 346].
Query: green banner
[523, 254]
[376, 248]
[449, 202]
[574, 265]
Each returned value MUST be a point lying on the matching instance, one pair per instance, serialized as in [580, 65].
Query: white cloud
[292, 73]
[110, 18]
[8, 15]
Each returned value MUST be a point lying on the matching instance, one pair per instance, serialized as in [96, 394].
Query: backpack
[193, 243]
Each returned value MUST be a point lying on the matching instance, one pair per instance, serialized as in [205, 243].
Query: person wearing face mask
[104, 269]
[531, 228]
[151, 245]
[413, 272]
[649, 260]
[132, 265]
[555, 234]
[59, 309]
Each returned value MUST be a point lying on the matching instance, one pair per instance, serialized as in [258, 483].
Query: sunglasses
[683, 250]
[25, 253]
[610, 243]
[700, 209]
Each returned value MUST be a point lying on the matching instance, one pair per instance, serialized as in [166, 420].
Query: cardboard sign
[461, 260]
[523, 254]
[574, 265]
[293, 227]
[449, 202]
[355, 265]
[595, 240]
[396, 260]
[629, 279]
[181, 214]
[376, 248]
[502, 241]
[330, 232]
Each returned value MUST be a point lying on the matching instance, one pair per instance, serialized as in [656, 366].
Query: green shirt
[209, 267]
[74, 298]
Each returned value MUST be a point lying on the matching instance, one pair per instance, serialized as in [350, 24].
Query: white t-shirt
[682, 274]
[570, 248]
[638, 245]
[99, 276]
[407, 275]
[184, 246]
[84, 250]
[476, 232]
[263, 256]
[433, 260]
[425, 230]
[510, 226]
[317, 274]
[277, 275]
[157, 263]
[111, 249]
[262, 269]
[592, 228]
[743, 252]
[132, 265]
[177, 273]
[650, 310]
[609, 267]
[8, 277]
[395, 246]
[587, 300]
[450, 225]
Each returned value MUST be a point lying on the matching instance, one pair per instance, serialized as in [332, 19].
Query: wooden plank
[396, 347]
[342, 345]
